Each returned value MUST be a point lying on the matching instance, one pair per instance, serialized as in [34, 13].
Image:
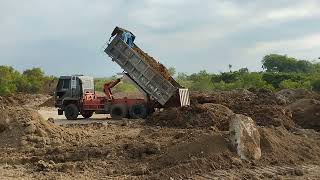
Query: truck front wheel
[71, 112]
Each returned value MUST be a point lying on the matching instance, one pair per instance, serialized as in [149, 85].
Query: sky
[68, 37]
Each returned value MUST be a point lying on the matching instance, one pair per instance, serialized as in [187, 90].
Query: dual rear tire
[118, 111]
[136, 111]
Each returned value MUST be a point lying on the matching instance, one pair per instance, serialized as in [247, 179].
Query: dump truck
[76, 95]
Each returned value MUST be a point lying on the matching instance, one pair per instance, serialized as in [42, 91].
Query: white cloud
[306, 47]
[304, 9]
[169, 29]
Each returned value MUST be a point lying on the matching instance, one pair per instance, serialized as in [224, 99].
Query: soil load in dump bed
[156, 65]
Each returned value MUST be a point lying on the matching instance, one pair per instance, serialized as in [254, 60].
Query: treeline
[280, 72]
[29, 81]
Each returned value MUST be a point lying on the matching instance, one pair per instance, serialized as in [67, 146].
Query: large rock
[245, 137]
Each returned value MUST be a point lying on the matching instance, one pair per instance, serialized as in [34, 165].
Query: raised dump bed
[149, 79]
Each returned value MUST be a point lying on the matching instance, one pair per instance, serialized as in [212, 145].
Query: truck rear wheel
[119, 111]
[71, 112]
[87, 114]
[138, 111]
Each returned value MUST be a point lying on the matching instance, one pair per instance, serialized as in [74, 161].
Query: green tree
[8, 77]
[276, 78]
[184, 80]
[243, 70]
[282, 63]
[33, 81]
[289, 84]
[316, 85]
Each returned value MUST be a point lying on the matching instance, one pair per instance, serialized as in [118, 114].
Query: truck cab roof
[87, 82]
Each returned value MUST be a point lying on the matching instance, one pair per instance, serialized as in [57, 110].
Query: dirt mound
[138, 150]
[263, 106]
[19, 99]
[189, 148]
[279, 146]
[12, 100]
[221, 97]
[199, 115]
[210, 152]
[202, 146]
[204, 153]
[24, 127]
[48, 103]
[306, 113]
[236, 97]
[292, 95]
[265, 115]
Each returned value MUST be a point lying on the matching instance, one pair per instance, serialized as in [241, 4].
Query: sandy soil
[179, 143]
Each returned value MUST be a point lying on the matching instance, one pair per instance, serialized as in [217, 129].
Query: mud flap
[184, 97]
[60, 112]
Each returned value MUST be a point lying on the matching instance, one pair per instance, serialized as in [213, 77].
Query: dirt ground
[178, 143]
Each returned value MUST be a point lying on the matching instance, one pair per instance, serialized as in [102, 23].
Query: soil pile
[48, 103]
[210, 152]
[237, 97]
[263, 106]
[13, 100]
[222, 97]
[306, 113]
[24, 127]
[199, 115]
[202, 146]
[203, 153]
[193, 146]
[29, 100]
[214, 109]
[265, 115]
[279, 146]
[292, 95]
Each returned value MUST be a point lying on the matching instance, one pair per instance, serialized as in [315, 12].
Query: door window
[66, 84]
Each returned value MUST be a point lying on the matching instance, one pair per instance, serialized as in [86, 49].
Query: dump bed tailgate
[140, 71]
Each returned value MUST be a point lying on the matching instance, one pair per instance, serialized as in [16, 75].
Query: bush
[316, 85]
[8, 77]
[289, 84]
[276, 78]
[283, 63]
[281, 72]
[30, 81]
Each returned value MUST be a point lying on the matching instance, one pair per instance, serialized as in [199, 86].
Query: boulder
[245, 137]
